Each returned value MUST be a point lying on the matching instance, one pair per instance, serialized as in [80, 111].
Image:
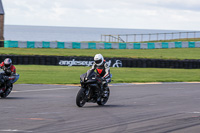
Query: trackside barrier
[78, 45]
[112, 62]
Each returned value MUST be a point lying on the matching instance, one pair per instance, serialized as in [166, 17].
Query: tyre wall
[112, 62]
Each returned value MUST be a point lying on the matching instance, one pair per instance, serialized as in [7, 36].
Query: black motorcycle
[4, 79]
[91, 90]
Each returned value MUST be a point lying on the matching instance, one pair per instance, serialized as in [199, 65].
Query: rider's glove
[4, 68]
[8, 71]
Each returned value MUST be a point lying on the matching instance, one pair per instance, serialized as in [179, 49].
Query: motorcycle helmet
[98, 59]
[7, 62]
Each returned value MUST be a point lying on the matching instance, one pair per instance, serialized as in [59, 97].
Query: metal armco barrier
[112, 62]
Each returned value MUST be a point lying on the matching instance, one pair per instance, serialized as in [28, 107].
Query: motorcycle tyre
[80, 98]
[4, 95]
[103, 100]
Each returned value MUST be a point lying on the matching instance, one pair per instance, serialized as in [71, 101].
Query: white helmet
[98, 59]
[7, 62]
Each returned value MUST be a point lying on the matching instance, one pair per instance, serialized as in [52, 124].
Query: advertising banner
[89, 62]
[112, 62]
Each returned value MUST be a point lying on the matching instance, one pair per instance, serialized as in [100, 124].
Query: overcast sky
[133, 14]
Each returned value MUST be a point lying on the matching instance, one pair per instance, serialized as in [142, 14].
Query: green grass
[38, 74]
[175, 53]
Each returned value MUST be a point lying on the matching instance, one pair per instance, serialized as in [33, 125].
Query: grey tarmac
[132, 108]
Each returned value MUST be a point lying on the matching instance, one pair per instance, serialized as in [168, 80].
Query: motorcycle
[4, 90]
[91, 90]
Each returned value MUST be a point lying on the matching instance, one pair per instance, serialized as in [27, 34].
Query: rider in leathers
[10, 71]
[103, 70]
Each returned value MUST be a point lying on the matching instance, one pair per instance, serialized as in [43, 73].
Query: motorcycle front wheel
[80, 98]
[6, 93]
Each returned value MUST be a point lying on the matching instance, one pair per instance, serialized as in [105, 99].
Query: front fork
[87, 91]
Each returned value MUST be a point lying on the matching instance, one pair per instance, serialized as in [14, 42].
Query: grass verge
[175, 53]
[38, 74]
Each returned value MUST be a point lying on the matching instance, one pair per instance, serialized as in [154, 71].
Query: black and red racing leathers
[103, 70]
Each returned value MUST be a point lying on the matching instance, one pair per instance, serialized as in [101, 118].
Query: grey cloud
[102, 13]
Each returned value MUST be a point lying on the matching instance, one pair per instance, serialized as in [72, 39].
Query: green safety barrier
[122, 45]
[165, 45]
[10, 44]
[76, 45]
[136, 45]
[107, 45]
[30, 44]
[191, 44]
[46, 44]
[60, 45]
[92, 45]
[178, 44]
[151, 45]
[6, 44]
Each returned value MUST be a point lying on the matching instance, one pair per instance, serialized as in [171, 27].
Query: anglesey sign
[73, 62]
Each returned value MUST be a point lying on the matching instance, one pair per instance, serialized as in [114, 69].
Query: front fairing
[88, 77]
[90, 74]
[91, 81]
[82, 77]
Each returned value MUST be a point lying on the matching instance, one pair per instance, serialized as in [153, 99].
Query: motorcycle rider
[10, 71]
[103, 70]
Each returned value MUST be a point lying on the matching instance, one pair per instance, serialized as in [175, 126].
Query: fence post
[134, 37]
[157, 36]
[141, 37]
[149, 37]
[187, 35]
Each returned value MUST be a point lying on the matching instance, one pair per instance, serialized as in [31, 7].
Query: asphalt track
[132, 108]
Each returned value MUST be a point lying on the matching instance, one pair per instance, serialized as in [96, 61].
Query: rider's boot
[105, 89]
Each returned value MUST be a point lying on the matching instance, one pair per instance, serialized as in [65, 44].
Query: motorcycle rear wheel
[80, 98]
[104, 100]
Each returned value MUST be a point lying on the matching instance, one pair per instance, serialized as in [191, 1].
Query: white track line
[15, 130]
[53, 89]
[123, 84]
